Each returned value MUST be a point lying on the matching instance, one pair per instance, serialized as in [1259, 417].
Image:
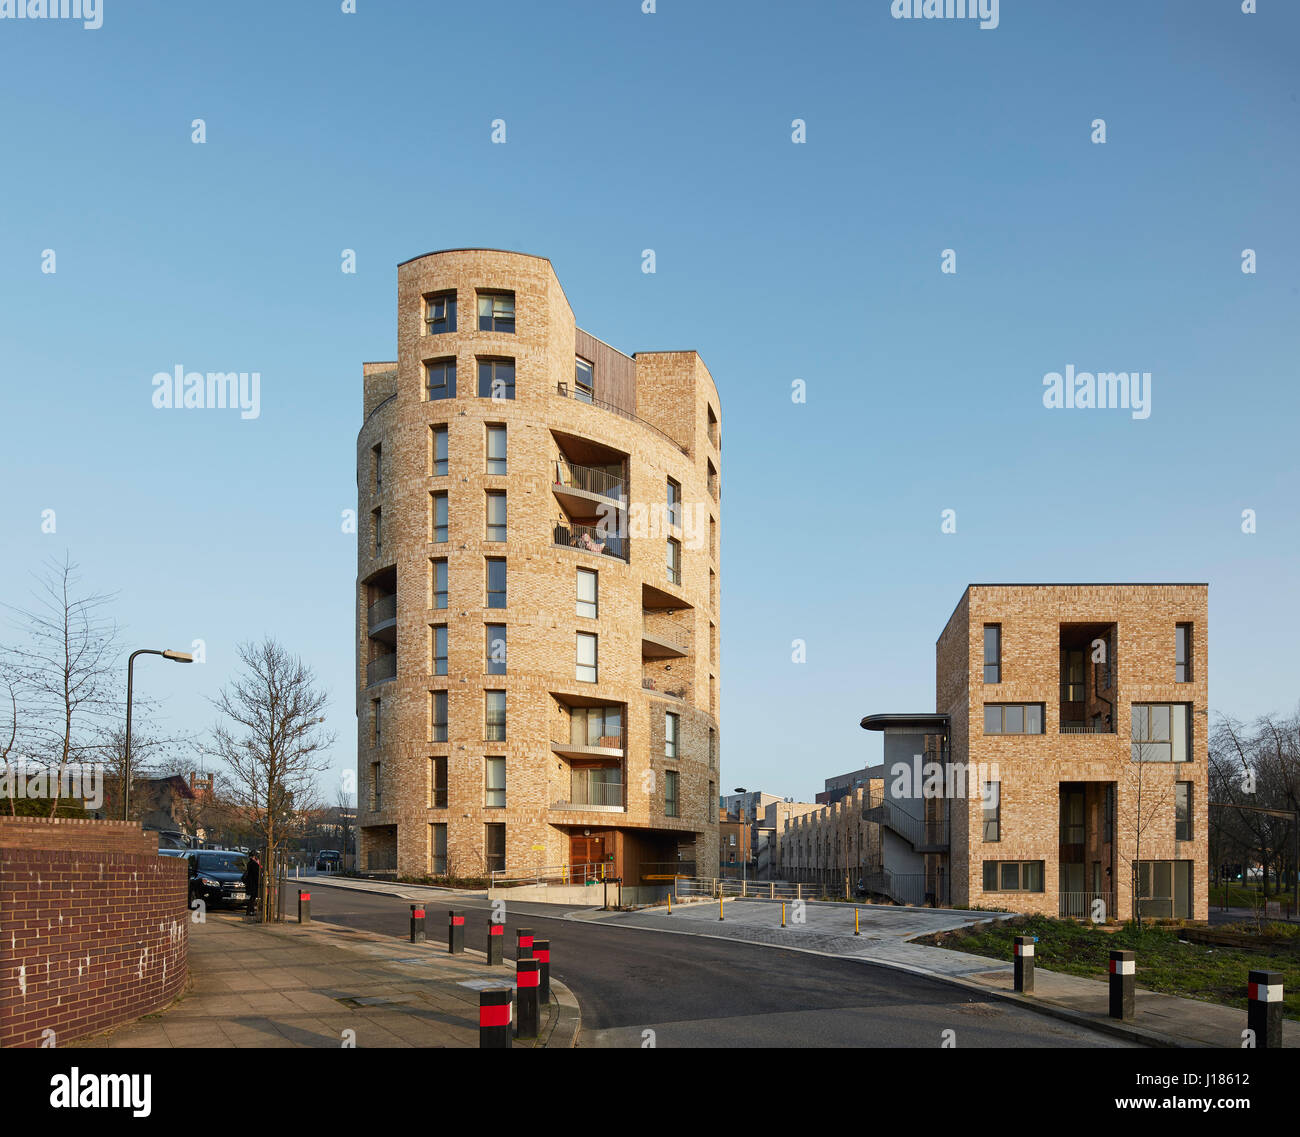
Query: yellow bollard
[783, 913]
[855, 922]
[719, 905]
[670, 904]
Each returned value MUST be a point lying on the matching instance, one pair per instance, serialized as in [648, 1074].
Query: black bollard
[524, 943]
[496, 952]
[456, 932]
[542, 953]
[1024, 964]
[417, 924]
[494, 1018]
[1264, 1010]
[526, 979]
[1123, 972]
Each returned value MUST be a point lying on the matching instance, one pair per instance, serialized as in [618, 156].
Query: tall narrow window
[494, 703]
[1182, 811]
[674, 561]
[992, 653]
[377, 722]
[496, 449]
[588, 604]
[496, 515]
[439, 648]
[496, 649]
[440, 378]
[992, 811]
[438, 517]
[496, 379]
[438, 716]
[584, 382]
[674, 504]
[496, 311]
[438, 465]
[376, 780]
[377, 455]
[438, 569]
[672, 724]
[586, 671]
[1183, 653]
[494, 777]
[671, 808]
[496, 582]
[494, 847]
[376, 522]
[440, 313]
[439, 800]
[439, 858]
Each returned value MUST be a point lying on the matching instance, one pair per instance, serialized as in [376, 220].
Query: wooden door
[585, 851]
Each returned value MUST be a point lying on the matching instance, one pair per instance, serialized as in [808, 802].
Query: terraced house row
[538, 583]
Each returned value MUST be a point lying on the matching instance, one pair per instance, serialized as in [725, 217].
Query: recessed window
[438, 572]
[377, 456]
[597, 726]
[494, 705]
[494, 847]
[496, 449]
[992, 653]
[496, 311]
[496, 379]
[1013, 876]
[1013, 718]
[438, 859]
[588, 603]
[1182, 811]
[376, 795]
[992, 809]
[438, 716]
[376, 722]
[586, 670]
[495, 649]
[496, 582]
[674, 563]
[440, 313]
[439, 764]
[584, 382]
[377, 529]
[494, 778]
[674, 504]
[671, 806]
[438, 465]
[438, 517]
[1159, 732]
[496, 515]
[672, 725]
[1183, 653]
[439, 632]
[440, 379]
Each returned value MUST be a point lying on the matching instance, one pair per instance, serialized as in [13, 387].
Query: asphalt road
[691, 991]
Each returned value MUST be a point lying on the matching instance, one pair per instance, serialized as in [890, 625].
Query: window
[494, 847]
[496, 449]
[1108, 824]
[713, 590]
[712, 479]
[584, 382]
[376, 527]
[440, 377]
[1183, 653]
[438, 517]
[713, 801]
[494, 778]
[670, 794]
[992, 811]
[588, 581]
[1013, 876]
[672, 724]
[674, 561]
[438, 724]
[1165, 889]
[713, 537]
[992, 653]
[712, 426]
[438, 569]
[439, 799]
[496, 379]
[496, 311]
[440, 313]
[439, 632]
[376, 794]
[377, 455]
[1160, 732]
[496, 582]
[439, 866]
[496, 649]
[674, 504]
[1013, 718]
[496, 515]
[597, 726]
[1072, 678]
[438, 465]
[494, 703]
[1182, 811]
[713, 748]
[586, 657]
[376, 722]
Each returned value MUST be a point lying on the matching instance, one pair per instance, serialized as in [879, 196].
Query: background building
[537, 587]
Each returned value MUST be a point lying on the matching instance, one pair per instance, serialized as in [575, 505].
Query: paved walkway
[1160, 1020]
[309, 985]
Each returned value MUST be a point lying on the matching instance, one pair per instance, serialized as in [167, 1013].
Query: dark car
[217, 876]
[329, 860]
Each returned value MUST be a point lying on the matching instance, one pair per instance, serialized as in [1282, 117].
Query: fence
[1079, 905]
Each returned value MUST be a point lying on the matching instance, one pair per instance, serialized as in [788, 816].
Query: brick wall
[94, 926]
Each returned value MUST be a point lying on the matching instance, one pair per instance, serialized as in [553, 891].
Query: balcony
[663, 639]
[381, 619]
[674, 692]
[579, 488]
[608, 746]
[381, 669]
[589, 539]
[577, 393]
[1087, 728]
[594, 790]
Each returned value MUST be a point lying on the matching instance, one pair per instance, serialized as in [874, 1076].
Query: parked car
[329, 860]
[173, 852]
[217, 876]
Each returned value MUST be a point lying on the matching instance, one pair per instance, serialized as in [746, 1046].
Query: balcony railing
[583, 397]
[1079, 905]
[381, 668]
[652, 685]
[381, 610]
[585, 790]
[589, 538]
[1087, 728]
[589, 479]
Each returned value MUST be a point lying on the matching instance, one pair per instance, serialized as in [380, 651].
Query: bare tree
[344, 806]
[272, 744]
[1149, 787]
[10, 682]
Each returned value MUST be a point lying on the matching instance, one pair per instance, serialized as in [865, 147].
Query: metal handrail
[381, 668]
[1086, 728]
[675, 692]
[591, 538]
[381, 610]
[591, 791]
[551, 874]
[378, 406]
[589, 479]
[563, 389]
[1078, 905]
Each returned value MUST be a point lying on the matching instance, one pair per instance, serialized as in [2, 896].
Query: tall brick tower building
[537, 588]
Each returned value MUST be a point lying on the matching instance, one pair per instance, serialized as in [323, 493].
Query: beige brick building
[1070, 734]
[537, 587]
[829, 845]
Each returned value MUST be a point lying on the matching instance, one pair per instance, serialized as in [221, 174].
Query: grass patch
[1193, 971]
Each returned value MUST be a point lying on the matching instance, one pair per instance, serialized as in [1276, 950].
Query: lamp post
[744, 856]
[175, 657]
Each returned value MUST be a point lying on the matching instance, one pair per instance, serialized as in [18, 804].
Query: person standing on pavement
[253, 881]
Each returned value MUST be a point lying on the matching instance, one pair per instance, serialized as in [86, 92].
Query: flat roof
[922, 719]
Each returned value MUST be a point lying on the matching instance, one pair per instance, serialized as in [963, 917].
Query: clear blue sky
[776, 261]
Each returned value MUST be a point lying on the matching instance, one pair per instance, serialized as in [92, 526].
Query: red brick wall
[94, 927]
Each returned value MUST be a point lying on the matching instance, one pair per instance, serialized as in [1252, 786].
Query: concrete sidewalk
[1160, 1020]
[284, 985]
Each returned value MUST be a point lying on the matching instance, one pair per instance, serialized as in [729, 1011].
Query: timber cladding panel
[94, 927]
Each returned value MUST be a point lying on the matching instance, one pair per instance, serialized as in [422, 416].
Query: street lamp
[175, 657]
[744, 856]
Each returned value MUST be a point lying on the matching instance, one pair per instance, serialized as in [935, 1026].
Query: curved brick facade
[652, 417]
